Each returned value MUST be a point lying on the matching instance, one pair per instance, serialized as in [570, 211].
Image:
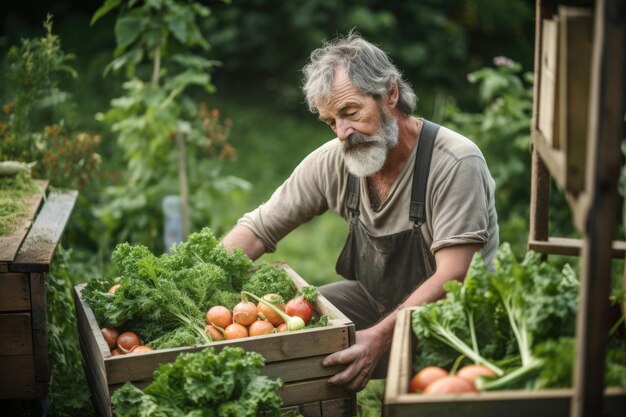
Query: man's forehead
[342, 93]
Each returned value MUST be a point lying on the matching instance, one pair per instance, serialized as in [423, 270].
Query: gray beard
[365, 155]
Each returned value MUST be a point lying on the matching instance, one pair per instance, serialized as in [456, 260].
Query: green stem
[507, 380]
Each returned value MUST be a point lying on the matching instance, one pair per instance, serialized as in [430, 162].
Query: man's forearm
[243, 238]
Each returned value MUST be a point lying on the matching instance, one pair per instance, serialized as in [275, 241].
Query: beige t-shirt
[460, 206]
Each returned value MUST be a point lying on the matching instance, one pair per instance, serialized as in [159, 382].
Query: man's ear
[393, 95]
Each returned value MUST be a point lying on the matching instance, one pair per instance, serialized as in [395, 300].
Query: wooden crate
[294, 357]
[25, 257]
[399, 402]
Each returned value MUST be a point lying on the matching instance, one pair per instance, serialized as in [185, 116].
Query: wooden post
[606, 115]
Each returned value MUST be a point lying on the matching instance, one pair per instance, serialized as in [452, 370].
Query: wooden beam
[606, 115]
[571, 247]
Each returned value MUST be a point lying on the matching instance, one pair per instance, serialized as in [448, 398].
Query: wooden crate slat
[10, 243]
[40, 327]
[341, 407]
[38, 248]
[15, 294]
[16, 328]
[310, 391]
[17, 377]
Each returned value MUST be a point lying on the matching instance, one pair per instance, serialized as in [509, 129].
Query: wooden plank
[17, 377]
[40, 329]
[549, 88]
[311, 391]
[606, 117]
[15, 294]
[399, 371]
[341, 407]
[100, 391]
[310, 409]
[16, 334]
[574, 69]
[554, 159]
[539, 198]
[10, 243]
[38, 247]
[572, 247]
[275, 347]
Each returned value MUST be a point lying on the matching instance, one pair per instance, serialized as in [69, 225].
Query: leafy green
[164, 299]
[205, 384]
[514, 319]
[269, 279]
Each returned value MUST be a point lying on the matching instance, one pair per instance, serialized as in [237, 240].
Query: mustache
[356, 139]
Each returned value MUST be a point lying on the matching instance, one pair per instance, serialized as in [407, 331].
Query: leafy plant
[170, 143]
[205, 383]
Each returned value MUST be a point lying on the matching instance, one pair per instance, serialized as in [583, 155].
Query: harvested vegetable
[268, 313]
[300, 307]
[261, 327]
[425, 377]
[450, 384]
[269, 279]
[110, 336]
[228, 383]
[219, 316]
[293, 322]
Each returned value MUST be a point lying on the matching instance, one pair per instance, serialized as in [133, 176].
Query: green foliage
[502, 131]
[33, 74]
[205, 383]
[158, 296]
[68, 396]
[12, 207]
[158, 114]
[526, 326]
[269, 279]
[370, 399]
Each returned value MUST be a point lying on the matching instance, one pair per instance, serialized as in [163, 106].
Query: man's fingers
[343, 357]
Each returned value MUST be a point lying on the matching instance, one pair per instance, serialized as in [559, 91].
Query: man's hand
[360, 358]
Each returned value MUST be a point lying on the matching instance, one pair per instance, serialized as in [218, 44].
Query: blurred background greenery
[470, 62]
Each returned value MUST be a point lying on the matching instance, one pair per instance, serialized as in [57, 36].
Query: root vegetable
[219, 316]
[269, 314]
[114, 288]
[261, 327]
[245, 313]
[449, 385]
[127, 340]
[235, 331]
[293, 322]
[117, 352]
[425, 377]
[300, 307]
[471, 372]
[110, 335]
[214, 332]
[141, 349]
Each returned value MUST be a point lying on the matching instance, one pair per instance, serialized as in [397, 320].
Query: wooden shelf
[578, 115]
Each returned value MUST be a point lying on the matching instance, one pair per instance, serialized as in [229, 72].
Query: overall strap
[417, 212]
[352, 196]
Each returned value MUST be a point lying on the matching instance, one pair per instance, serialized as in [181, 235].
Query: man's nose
[343, 129]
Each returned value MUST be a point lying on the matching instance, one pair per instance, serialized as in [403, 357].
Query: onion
[293, 323]
[127, 340]
[110, 335]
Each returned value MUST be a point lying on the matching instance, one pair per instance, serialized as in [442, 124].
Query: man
[419, 199]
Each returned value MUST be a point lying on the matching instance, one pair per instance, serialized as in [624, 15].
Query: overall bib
[389, 268]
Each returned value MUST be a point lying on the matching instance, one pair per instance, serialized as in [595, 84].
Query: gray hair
[368, 67]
